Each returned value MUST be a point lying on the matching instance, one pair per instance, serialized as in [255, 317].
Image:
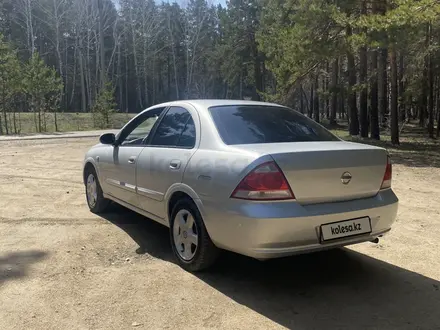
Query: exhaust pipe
[376, 240]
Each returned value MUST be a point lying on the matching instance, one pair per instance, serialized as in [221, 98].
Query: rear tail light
[265, 182]
[386, 182]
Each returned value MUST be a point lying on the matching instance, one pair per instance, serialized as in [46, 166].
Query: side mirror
[107, 138]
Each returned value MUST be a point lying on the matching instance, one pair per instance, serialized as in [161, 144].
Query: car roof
[207, 103]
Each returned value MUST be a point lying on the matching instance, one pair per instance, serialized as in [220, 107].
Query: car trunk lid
[320, 172]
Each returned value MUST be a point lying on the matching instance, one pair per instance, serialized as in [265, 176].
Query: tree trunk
[363, 113]
[402, 107]
[374, 126]
[381, 8]
[39, 121]
[263, 75]
[438, 107]
[89, 87]
[425, 85]
[327, 98]
[27, 13]
[438, 123]
[301, 99]
[354, 121]
[394, 99]
[430, 101]
[423, 97]
[15, 123]
[97, 86]
[135, 60]
[174, 58]
[145, 63]
[383, 85]
[101, 44]
[126, 84]
[316, 101]
[44, 122]
[342, 90]
[168, 93]
[153, 83]
[363, 71]
[436, 97]
[334, 92]
[241, 85]
[343, 105]
[257, 74]
[83, 86]
[58, 51]
[5, 120]
[430, 89]
[120, 80]
[310, 114]
[73, 80]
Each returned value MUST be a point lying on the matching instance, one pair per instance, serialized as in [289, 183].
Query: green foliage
[43, 88]
[239, 23]
[401, 14]
[10, 82]
[32, 86]
[298, 36]
[104, 107]
[276, 50]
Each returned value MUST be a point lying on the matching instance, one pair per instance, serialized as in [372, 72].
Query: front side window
[174, 123]
[138, 130]
[249, 124]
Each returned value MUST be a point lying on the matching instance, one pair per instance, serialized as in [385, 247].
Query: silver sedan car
[255, 178]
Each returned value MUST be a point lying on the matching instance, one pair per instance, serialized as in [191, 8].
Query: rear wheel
[191, 243]
[95, 198]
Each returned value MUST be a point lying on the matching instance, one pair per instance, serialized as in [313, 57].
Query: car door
[162, 162]
[118, 168]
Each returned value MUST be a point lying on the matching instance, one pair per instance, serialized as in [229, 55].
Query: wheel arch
[176, 193]
[88, 164]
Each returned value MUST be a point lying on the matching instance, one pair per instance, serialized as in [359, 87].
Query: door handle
[132, 160]
[175, 164]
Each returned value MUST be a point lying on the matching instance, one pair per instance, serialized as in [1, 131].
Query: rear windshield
[248, 124]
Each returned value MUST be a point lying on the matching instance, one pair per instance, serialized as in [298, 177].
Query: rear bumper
[270, 230]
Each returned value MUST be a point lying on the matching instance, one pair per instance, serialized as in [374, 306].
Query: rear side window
[188, 137]
[250, 124]
[170, 129]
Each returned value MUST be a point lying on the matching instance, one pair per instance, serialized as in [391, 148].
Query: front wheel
[95, 198]
[191, 243]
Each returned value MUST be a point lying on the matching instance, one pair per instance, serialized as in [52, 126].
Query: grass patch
[68, 122]
[416, 149]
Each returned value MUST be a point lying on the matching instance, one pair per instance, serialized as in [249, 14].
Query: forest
[373, 63]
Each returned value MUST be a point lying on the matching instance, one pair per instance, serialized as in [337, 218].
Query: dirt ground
[62, 267]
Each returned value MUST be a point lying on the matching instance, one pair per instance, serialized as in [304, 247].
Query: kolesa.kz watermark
[346, 229]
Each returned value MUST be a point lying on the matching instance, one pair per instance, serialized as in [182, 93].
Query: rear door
[163, 161]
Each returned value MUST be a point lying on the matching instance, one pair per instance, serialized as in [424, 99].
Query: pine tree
[42, 86]
[104, 107]
[10, 83]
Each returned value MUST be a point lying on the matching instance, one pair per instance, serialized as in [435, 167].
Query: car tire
[205, 252]
[94, 196]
